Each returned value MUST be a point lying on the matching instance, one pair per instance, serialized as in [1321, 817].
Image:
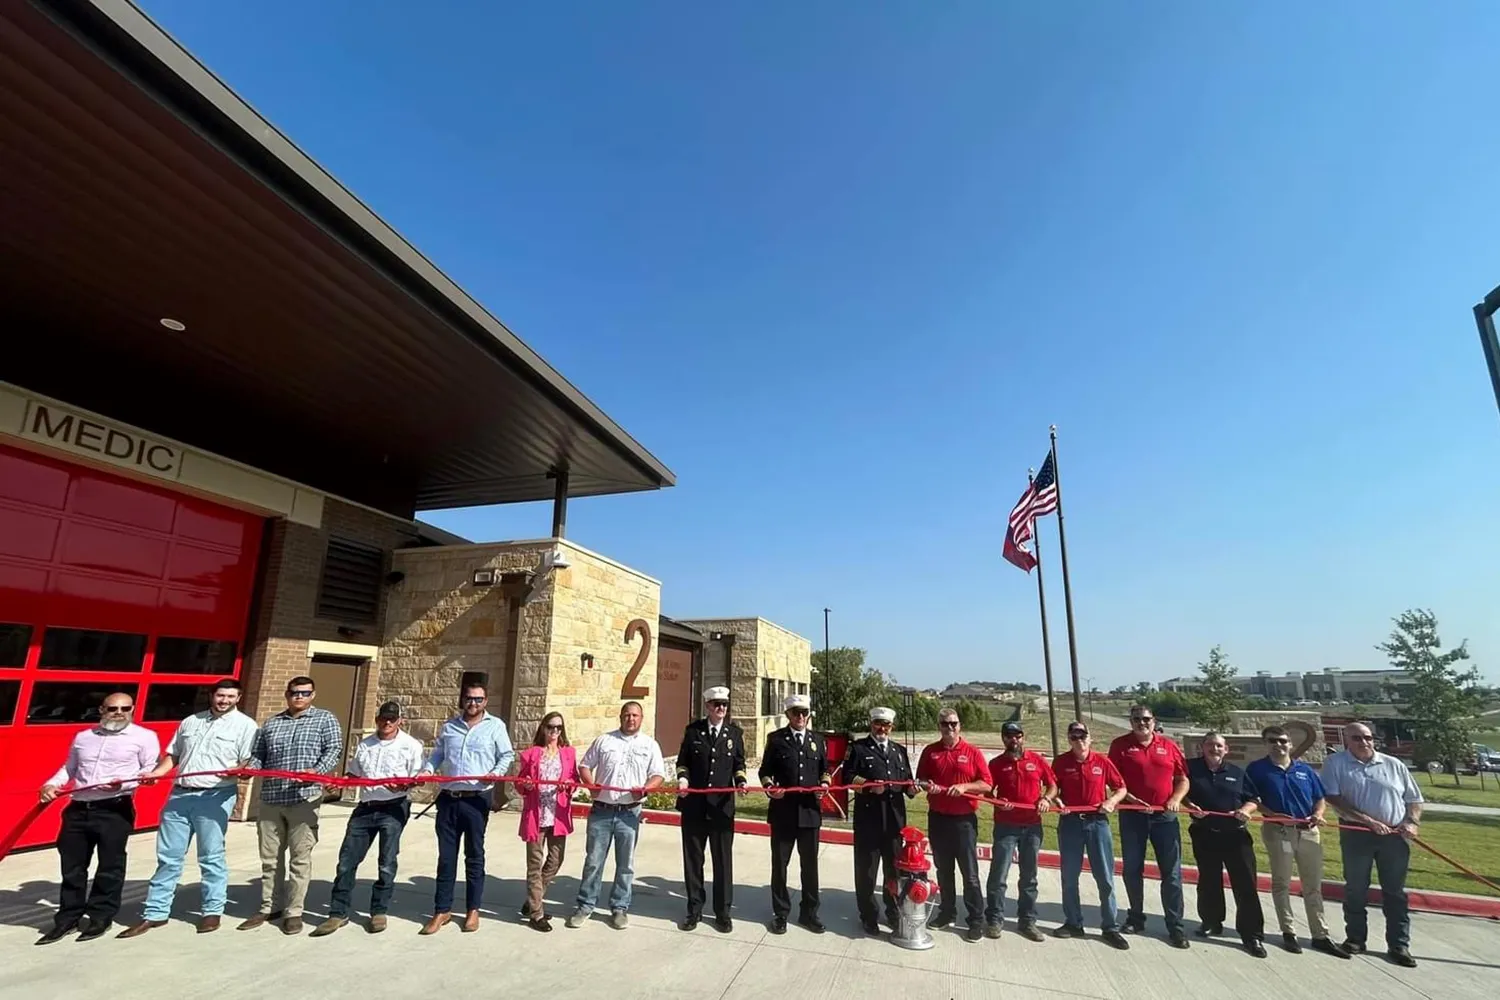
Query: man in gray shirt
[1375, 791]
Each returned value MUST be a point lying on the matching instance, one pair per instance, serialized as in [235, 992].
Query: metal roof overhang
[320, 345]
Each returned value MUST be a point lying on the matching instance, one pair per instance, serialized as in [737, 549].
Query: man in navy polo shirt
[1291, 801]
[1220, 800]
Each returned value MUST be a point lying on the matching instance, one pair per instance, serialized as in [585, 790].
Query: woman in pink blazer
[546, 811]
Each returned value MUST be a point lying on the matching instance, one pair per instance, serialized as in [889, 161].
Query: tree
[1169, 704]
[972, 715]
[1217, 694]
[1143, 689]
[1442, 700]
[843, 690]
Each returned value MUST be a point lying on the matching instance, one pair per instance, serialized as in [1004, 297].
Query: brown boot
[291, 925]
[437, 923]
[471, 922]
[208, 924]
[257, 920]
[328, 926]
[136, 930]
[376, 924]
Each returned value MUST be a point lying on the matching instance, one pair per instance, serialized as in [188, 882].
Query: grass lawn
[1469, 793]
[1474, 840]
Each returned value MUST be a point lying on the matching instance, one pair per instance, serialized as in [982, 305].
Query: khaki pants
[1286, 845]
[287, 834]
[544, 856]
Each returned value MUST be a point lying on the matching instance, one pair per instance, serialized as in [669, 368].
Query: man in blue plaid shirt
[302, 738]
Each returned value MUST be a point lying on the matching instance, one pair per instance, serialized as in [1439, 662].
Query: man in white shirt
[626, 758]
[383, 810]
[217, 739]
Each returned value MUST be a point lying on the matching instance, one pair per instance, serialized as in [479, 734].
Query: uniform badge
[1098, 770]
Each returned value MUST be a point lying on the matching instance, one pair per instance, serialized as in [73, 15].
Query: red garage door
[108, 585]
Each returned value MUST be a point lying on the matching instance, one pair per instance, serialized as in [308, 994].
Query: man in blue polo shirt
[1291, 801]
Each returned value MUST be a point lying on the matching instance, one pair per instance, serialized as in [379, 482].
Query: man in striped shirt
[301, 738]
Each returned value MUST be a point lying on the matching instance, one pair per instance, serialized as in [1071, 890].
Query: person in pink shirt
[546, 811]
[112, 754]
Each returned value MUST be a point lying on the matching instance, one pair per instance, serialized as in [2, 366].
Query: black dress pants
[100, 827]
[1217, 851]
[870, 853]
[718, 838]
[804, 840]
[955, 841]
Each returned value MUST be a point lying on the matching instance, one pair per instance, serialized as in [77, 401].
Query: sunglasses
[718, 704]
[1279, 740]
[117, 708]
[300, 693]
[1078, 736]
[553, 727]
[796, 711]
[1141, 718]
[948, 725]
[475, 701]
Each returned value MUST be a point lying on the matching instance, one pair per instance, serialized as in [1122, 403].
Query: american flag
[1039, 499]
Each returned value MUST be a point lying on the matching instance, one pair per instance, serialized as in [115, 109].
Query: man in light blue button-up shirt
[471, 744]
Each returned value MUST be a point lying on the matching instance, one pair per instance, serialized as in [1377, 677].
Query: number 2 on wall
[630, 689]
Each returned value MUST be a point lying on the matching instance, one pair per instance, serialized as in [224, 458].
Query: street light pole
[826, 663]
[1090, 682]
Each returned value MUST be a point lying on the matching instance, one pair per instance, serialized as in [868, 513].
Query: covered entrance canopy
[316, 345]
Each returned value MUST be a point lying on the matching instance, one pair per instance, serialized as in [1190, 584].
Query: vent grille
[350, 588]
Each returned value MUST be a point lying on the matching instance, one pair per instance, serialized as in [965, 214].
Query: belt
[461, 795]
[93, 803]
[617, 805]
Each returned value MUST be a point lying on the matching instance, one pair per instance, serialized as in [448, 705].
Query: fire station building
[227, 389]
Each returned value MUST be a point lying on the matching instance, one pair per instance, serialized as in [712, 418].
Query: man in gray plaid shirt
[302, 738]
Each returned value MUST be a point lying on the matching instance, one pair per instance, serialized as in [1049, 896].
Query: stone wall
[761, 650]
[442, 625]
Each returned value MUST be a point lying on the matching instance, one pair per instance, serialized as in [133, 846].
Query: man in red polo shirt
[1023, 780]
[954, 769]
[1155, 773]
[1088, 783]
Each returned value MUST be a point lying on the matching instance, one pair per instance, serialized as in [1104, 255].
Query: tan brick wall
[761, 649]
[442, 625]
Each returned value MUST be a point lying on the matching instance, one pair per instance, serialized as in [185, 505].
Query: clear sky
[839, 265]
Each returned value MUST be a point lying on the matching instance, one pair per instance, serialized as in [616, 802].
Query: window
[194, 656]
[352, 577]
[173, 702]
[14, 641]
[63, 702]
[801, 688]
[81, 649]
[10, 693]
[768, 697]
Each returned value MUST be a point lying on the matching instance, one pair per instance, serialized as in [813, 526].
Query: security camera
[559, 559]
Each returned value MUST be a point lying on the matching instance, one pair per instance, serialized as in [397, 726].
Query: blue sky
[840, 265]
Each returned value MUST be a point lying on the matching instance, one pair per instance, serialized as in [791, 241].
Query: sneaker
[940, 921]
[1209, 930]
[1327, 947]
[619, 920]
[992, 930]
[578, 918]
[974, 933]
[1116, 940]
[1029, 931]
[1068, 931]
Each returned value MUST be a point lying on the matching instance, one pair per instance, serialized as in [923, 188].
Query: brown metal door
[674, 694]
[336, 678]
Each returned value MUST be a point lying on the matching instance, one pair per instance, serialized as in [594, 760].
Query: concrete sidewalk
[1460, 957]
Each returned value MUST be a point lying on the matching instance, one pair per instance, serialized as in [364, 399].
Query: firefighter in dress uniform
[712, 756]
[879, 813]
[794, 757]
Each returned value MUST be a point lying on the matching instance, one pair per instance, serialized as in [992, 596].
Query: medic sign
[85, 436]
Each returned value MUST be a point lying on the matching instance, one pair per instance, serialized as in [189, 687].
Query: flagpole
[1062, 544]
[1041, 600]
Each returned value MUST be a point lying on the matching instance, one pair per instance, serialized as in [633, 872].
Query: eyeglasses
[948, 725]
[117, 708]
[300, 693]
[475, 701]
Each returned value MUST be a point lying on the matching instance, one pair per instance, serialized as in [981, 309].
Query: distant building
[1326, 686]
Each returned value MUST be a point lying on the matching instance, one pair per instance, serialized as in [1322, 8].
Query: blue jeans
[1390, 855]
[609, 825]
[188, 813]
[1026, 841]
[1077, 832]
[1164, 833]
[460, 817]
[385, 820]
